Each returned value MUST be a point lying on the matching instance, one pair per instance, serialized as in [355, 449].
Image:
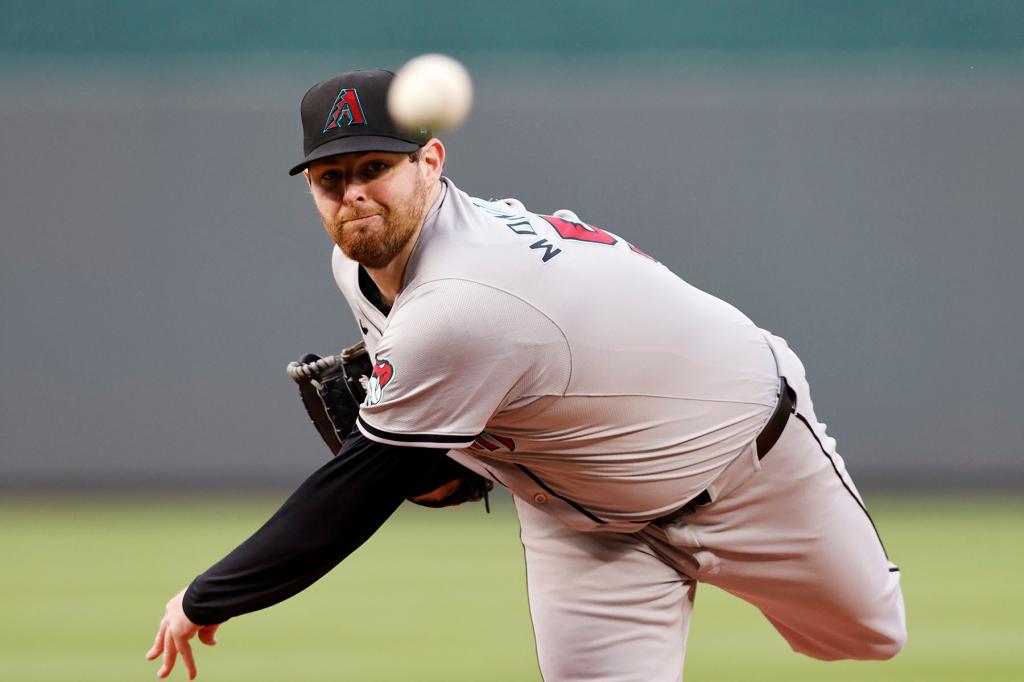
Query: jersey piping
[415, 439]
[843, 481]
[575, 505]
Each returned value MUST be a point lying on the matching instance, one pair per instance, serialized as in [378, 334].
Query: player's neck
[389, 279]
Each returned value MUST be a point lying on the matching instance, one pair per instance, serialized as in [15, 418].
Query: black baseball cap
[349, 113]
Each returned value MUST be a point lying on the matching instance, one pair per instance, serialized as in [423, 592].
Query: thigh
[604, 606]
[796, 541]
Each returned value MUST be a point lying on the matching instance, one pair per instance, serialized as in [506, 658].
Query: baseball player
[652, 436]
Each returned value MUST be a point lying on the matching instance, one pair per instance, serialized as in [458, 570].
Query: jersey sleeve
[330, 515]
[454, 354]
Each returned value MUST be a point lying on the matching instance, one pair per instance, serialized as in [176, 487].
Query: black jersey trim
[574, 505]
[368, 288]
[464, 441]
[843, 481]
[369, 322]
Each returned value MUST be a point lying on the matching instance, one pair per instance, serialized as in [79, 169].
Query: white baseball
[431, 91]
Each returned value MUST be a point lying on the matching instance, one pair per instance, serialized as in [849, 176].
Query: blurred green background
[440, 596]
[847, 174]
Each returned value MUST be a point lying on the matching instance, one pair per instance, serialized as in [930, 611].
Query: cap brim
[355, 143]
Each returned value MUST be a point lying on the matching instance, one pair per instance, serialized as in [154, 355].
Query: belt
[771, 432]
[768, 437]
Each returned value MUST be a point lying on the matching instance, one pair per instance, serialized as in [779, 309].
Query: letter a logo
[346, 110]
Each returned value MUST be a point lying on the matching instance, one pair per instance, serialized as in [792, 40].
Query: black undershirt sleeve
[331, 514]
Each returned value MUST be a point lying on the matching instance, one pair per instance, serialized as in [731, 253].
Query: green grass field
[440, 596]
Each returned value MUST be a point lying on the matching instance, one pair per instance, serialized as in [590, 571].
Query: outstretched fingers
[170, 655]
[158, 644]
[172, 639]
[185, 649]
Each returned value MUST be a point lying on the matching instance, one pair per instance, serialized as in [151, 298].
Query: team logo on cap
[346, 110]
[383, 372]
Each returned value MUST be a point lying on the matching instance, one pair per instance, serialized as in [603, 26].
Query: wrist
[191, 605]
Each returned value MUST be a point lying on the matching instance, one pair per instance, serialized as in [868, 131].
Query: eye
[375, 167]
[329, 179]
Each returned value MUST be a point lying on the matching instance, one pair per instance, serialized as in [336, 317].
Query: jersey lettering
[549, 249]
[521, 227]
[582, 232]
[520, 224]
[642, 253]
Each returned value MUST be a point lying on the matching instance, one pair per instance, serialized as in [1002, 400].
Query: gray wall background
[159, 268]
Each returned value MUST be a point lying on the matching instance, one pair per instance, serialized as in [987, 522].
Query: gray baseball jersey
[493, 349]
[605, 392]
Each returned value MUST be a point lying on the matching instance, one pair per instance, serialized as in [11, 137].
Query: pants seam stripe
[843, 481]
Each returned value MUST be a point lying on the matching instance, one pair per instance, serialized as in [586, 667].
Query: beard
[376, 245]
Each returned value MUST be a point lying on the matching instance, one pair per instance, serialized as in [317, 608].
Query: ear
[305, 174]
[432, 158]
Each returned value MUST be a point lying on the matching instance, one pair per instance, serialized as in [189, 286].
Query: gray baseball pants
[788, 534]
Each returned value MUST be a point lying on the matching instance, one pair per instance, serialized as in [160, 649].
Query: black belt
[777, 422]
[768, 437]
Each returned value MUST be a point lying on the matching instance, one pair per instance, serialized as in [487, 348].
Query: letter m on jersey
[346, 110]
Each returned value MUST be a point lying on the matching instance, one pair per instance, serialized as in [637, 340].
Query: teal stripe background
[164, 27]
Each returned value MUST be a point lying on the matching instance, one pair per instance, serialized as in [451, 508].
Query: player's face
[371, 203]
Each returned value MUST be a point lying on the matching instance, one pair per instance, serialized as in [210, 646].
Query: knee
[886, 635]
[881, 645]
[862, 644]
[887, 644]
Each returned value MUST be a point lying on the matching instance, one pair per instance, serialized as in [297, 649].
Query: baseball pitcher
[652, 436]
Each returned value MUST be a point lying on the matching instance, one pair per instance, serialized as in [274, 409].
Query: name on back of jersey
[519, 223]
[567, 227]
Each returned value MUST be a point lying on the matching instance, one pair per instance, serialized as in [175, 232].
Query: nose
[355, 193]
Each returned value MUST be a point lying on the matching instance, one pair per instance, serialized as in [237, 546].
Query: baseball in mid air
[431, 91]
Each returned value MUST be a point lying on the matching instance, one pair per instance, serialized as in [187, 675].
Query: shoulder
[342, 265]
[453, 323]
[466, 308]
[461, 350]
[346, 273]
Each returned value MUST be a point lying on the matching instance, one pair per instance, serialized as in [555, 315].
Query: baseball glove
[332, 388]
